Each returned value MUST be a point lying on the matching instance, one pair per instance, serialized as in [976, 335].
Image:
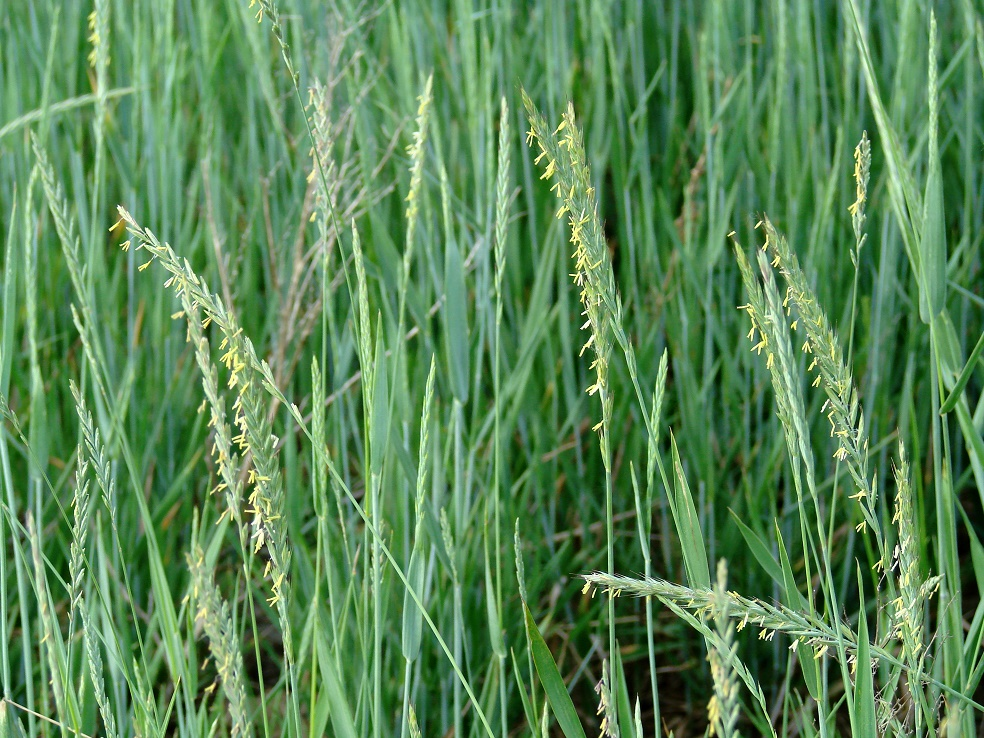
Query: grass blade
[553, 683]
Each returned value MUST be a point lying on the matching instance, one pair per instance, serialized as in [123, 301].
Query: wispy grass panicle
[212, 612]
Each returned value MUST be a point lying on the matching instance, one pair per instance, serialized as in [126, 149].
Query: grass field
[354, 358]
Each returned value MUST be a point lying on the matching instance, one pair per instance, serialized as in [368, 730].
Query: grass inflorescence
[447, 345]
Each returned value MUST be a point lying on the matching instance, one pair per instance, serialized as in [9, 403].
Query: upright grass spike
[80, 526]
[212, 611]
[241, 357]
[843, 408]
[908, 610]
[502, 202]
[247, 377]
[723, 709]
[93, 654]
[66, 700]
[566, 162]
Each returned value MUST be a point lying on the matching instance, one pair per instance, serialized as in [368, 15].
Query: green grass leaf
[688, 525]
[965, 374]
[553, 683]
[456, 321]
[864, 687]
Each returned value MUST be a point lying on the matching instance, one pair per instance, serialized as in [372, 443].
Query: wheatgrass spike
[93, 653]
[80, 524]
[566, 163]
[213, 612]
[843, 409]
[241, 357]
[723, 708]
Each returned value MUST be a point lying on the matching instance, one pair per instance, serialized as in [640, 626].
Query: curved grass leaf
[552, 681]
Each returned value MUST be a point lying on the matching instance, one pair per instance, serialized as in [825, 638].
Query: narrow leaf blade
[552, 681]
